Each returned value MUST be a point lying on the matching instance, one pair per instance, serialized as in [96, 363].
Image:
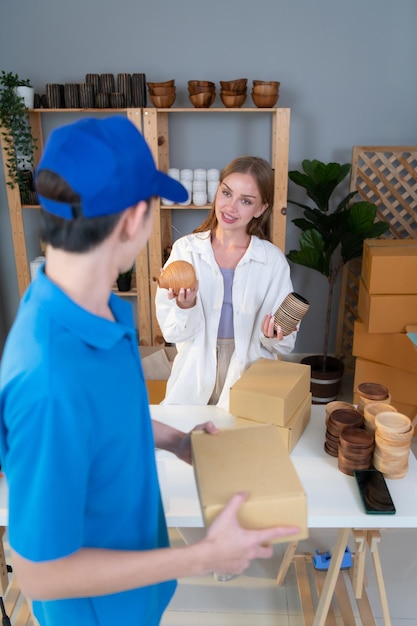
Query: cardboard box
[401, 385]
[293, 430]
[253, 460]
[157, 364]
[394, 349]
[389, 266]
[270, 391]
[386, 313]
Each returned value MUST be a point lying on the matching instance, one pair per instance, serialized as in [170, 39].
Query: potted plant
[124, 280]
[330, 237]
[16, 134]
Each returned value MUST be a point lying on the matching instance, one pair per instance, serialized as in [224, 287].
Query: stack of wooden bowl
[337, 422]
[265, 93]
[201, 93]
[233, 93]
[162, 95]
[393, 434]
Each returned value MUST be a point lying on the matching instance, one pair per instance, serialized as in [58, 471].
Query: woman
[226, 322]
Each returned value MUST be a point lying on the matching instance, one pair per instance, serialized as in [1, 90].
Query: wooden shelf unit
[154, 123]
[156, 132]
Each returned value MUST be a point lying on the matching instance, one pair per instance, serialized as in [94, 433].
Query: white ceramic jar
[200, 174]
[200, 198]
[213, 174]
[186, 174]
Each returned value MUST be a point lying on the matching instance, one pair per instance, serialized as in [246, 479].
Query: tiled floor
[254, 599]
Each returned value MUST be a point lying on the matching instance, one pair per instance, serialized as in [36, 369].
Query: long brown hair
[264, 178]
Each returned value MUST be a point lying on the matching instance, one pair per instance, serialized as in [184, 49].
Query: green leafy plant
[330, 237]
[16, 133]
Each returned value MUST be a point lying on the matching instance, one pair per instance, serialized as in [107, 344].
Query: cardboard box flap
[275, 381]
[157, 362]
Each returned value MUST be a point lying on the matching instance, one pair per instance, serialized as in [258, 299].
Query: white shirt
[261, 282]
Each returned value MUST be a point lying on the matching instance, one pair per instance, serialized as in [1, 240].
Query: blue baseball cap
[108, 163]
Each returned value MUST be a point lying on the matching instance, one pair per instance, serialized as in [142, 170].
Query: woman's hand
[186, 298]
[268, 328]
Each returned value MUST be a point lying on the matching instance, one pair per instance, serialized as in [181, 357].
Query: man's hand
[232, 547]
[183, 449]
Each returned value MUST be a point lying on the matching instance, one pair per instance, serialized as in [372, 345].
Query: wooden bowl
[161, 91]
[201, 83]
[264, 102]
[167, 83]
[265, 90]
[233, 102]
[162, 102]
[235, 85]
[274, 83]
[232, 92]
[200, 89]
[202, 100]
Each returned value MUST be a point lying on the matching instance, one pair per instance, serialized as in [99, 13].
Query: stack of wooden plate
[337, 422]
[138, 90]
[71, 96]
[373, 409]
[372, 392]
[124, 86]
[356, 446]
[55, 95]
[393, 434]
[106, 83]
[87, 95]
[337, 404]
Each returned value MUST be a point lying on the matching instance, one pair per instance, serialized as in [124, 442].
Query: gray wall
[347, 73]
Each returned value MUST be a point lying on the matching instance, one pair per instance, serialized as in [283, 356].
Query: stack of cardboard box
[274, 392]
[387, 303]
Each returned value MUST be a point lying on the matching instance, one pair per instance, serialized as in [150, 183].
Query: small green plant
[124, 280]
[16, 133]
[330, 237]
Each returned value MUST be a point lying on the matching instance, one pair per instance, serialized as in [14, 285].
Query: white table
[332, 497]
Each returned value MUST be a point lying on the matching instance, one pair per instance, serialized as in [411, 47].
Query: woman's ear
[261, 210]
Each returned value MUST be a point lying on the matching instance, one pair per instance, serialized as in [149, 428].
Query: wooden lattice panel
[387, 177]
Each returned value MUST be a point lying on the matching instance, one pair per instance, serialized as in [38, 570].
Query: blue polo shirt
[77, 448]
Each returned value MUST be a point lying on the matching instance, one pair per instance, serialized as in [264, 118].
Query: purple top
[226, 330]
